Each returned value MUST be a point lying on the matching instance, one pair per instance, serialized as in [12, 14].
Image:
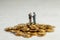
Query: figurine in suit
[34, 18]
[30, 18]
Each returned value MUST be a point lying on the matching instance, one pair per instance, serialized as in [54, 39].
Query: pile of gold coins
[28, 31]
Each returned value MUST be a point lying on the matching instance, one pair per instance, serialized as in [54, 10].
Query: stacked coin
[28, 31]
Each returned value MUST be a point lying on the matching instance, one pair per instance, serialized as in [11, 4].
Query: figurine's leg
[34, 20]
[30, 21]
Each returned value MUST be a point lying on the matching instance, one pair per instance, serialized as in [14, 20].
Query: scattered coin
[28, 31]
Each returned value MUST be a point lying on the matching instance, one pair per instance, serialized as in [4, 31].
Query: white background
[13, 12]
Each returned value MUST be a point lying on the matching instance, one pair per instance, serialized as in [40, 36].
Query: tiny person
[30, 17]
[34, 18]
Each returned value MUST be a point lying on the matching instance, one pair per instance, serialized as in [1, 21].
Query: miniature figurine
[30, 18]
[34, 18]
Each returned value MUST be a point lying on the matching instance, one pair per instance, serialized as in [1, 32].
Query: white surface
[13, 12]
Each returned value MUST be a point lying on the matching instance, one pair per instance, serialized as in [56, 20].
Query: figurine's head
[33, 12]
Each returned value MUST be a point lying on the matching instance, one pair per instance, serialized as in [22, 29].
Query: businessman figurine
[34, 18]
[30, 18]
